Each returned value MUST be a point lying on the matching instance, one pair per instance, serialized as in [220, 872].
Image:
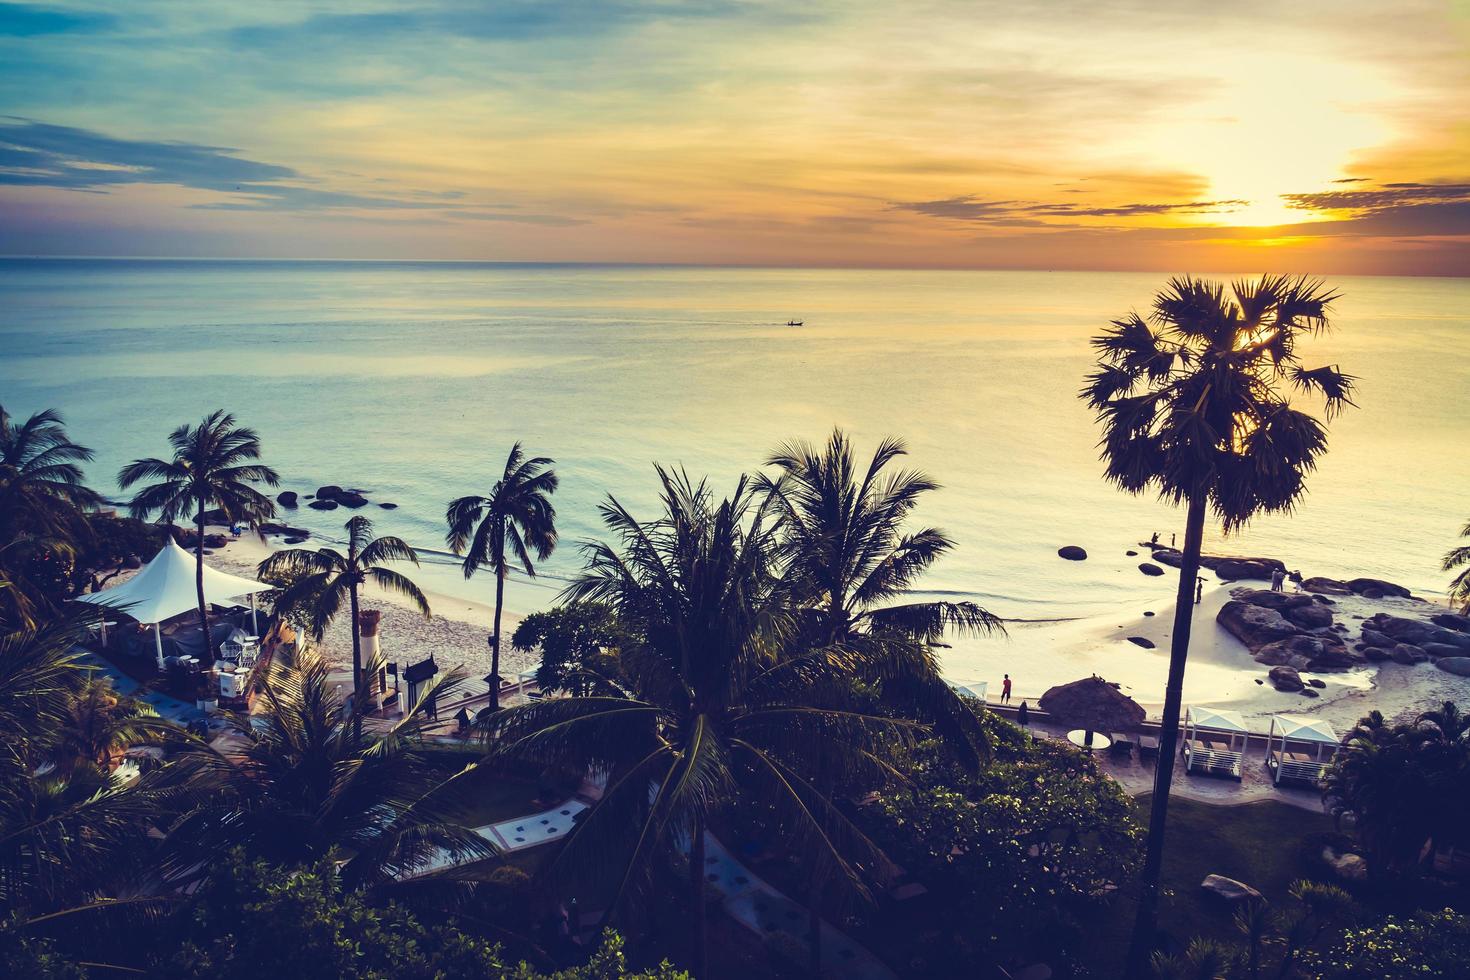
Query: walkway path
[167, 706]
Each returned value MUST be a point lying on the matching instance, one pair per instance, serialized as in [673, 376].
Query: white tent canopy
[1302, 729]
[166, 588]
[975, 689]
[1215, 719]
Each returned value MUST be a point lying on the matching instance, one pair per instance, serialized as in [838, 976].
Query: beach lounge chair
[1148, 745]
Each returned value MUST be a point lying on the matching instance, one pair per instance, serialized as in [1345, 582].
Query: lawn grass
[1260, 844]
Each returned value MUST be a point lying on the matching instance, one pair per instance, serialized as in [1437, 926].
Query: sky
[1194, 135]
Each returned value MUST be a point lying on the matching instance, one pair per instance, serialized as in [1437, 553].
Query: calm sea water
[412, 380]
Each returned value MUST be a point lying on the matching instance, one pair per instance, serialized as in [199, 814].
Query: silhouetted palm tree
[1460, 588]
[301, 779]
[323, 579]
[101, 724]
[515, 520]
[1192, 408]
[716, 701]
[43, 505]
[212, 467]
[852, 563]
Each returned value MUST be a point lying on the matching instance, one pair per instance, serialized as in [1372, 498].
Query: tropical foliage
[43, 514]
[1426, 944]
[1013, 859]
[1194, 406]
[1406, 786]
[1459, 557]
[318, 583]
[511, 523]
[213, 465]
[578, 643]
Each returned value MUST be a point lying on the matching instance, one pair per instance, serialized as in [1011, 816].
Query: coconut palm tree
[718, 705]
[323, 579]
[1460, 588]
[101, 724]
[515, 520]
[212, 466]
[853, 562]
[1193, 407]
[301, 780]
[43, 505]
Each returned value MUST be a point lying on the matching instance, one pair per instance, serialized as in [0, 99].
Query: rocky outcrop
[1416, 631]
[1365, 586]
[320, 504]
[1254, 625]
[1142, 641]
[1437, 650]
[1455, 665]
[1228, 567]
[1407, 654]
[349, 498]
[1072, 553]
[1306, 651]
[1288, 629]
[1327, 586]
[286, 498]
[1452, 621]
[1285, 679]
[296, 539]
[1149, 568]
[328, 492]
[1229, 889]
[1310, 616]
[388, 506]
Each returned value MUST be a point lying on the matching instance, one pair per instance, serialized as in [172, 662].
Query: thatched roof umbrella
[1093, 705]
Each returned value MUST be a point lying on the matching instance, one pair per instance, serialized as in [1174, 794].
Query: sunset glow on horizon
[1315, 137]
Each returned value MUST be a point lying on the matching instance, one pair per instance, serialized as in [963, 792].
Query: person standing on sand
[1277, 578]
[1023, 714]
[1155, 539]
[1199, 589]
[1171, 540]
[1005, 690]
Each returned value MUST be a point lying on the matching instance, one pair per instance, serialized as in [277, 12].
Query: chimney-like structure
[367, 628]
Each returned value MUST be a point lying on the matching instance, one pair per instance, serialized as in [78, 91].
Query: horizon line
[858, 267]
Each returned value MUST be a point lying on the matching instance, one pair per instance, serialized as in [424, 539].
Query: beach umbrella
[1093, 705]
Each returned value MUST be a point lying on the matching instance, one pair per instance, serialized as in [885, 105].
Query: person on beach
[1199, 589]
[1278, 580]
[1155, 539]
[1171, 540]
[1023, 714]
[1005, 690]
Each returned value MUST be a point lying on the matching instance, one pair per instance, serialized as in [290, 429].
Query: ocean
[412, 380]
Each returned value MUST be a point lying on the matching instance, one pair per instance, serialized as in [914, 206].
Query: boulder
[1142, 641]
[1376, 654]
[323, 505]
[1308, 692]
[295, 539]
[1317, 683]
[1285, 678]
[1376, 639]
[132, 561]
[216, 517]
[1272, 600]
[1330, 586]
[1234, 569]
[1253, 625]
[1131, 554]
[1307, 652]
[286, 498]
[348, 498]
[1149, 568]
[1437, 650]
[1452, 621]
[1362, 586]
[388, 506]
[1455, 665]
[1310, 616]
[1148, 612]
[1072, 553]
[1348, 867]
[1168, 556]
[1418, 632]
[328, 492]
[1407, 653]
[1323, 599]
[1229, 889]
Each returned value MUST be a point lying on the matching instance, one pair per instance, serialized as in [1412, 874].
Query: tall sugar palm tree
[213, 466]
[718, 704]
[43, 504]
[1460, 588]
[1194, 406]
[853, 561]
[323, 579]
[513, 521]
[301, 780]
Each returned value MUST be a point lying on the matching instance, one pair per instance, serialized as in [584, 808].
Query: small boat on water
[793, 323]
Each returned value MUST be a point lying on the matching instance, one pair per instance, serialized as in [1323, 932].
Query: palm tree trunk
[199, 583]
[356, 667]
[495, 642]
[696, 885]
[1153, 862]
